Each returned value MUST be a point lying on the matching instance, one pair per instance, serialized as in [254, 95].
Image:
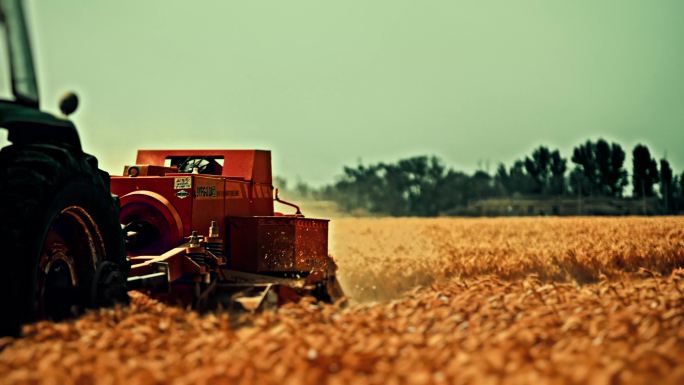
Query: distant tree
[424, 186]
[454, 190]
[666, 187]
[558, 168]
[584, 158]
[417, 178]
[413, 186]
[602, 166]
[360, 187]
[519, 181]
[678, 192]
[537, 167]
[546, 171]
[578, 183]
[502, 180]
[644, 172]
[481, 186]
[611, 176]
[303, 189]
[280, 183]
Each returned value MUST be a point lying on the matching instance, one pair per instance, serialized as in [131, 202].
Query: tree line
[425, 186]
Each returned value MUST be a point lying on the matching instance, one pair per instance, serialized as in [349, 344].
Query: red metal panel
[237, 199]
[180, 198]
[278, 244]
[242, 243]
[261, 203]
[158, 212]
[208, 202]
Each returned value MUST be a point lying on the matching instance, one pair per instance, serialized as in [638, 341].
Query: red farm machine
[200, 229]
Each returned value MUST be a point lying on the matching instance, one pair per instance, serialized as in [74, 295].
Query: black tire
[62, 249]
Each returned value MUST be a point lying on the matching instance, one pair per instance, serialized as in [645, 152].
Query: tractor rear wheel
[62, 247]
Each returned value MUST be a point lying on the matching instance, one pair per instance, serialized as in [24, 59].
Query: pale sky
[323, 84]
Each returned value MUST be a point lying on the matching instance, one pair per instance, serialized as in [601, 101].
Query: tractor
[195, 228]
[61, 238]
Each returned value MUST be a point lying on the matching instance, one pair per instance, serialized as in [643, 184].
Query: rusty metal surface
[278, 244]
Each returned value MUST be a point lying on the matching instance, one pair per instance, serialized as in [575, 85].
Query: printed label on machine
[182, 182]
[206, 191]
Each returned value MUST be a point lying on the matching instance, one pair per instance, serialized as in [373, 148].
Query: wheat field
[381, 257]
[431, 301]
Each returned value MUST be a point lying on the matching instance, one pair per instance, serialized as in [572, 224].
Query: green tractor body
[61, 247]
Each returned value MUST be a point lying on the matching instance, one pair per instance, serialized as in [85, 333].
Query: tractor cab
[19, 61]
[20, 110]
[211, 165]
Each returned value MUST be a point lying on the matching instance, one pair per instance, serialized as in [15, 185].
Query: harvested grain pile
[499, 322]
[472, 331]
